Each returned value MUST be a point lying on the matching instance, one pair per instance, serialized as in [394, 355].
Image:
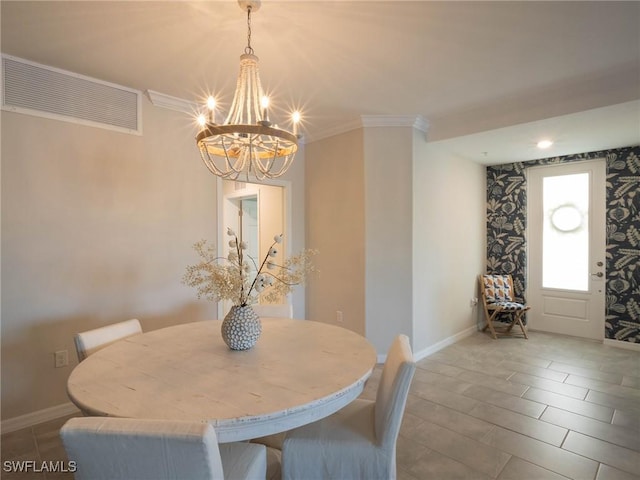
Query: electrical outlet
[61, 358]
[339, 317]
[473, 302]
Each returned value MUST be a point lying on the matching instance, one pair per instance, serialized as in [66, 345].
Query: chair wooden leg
[489, 325]
[519, 319]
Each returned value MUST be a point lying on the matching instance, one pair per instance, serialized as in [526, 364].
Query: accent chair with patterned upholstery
[499, 303]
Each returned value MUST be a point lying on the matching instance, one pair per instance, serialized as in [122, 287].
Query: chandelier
[247, 143]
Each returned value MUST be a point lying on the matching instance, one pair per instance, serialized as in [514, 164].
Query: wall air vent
[44, 91]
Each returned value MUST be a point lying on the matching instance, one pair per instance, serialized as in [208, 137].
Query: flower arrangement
[218, 278]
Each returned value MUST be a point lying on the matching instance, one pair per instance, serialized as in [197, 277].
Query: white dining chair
[108, 448]
[93, 340]
[358, 441]
[273, 310]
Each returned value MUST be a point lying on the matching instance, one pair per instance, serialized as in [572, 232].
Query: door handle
[599, 274]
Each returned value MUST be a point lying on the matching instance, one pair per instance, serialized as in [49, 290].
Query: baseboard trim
[618, 344]
[34, 418]
[436, 347]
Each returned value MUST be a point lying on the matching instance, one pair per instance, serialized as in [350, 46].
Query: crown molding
[172, 103]
[364, 121]
[372, 121]
[416, 121]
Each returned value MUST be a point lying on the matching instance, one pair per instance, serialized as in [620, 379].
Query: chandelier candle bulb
[264, 102]
[296, 119]
[211, 105]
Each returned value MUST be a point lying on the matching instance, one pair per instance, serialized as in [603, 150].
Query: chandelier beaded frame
[247, 144]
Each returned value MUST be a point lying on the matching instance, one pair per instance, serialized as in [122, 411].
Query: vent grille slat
[38, 88]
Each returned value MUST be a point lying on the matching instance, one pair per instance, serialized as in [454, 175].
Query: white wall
[449, 237]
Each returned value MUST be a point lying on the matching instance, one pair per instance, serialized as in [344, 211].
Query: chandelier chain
[248, 48]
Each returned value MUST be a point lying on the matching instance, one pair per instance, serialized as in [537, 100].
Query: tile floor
[550, 407]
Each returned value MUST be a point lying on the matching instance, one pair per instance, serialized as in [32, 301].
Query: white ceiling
[489, 77]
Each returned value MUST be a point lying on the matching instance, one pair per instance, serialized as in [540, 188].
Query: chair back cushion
[109, 448]
[93, 340]
[498, 288]
[393, 390]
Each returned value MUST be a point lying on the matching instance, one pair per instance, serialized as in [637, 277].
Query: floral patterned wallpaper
[506, 232]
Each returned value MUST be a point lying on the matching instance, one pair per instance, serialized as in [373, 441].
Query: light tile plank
[518, 469]
[516, 422]
[604, 387]
[510, 387]
[624, 437]
[613, 401]
[605, 452]
[435, 465]
[451, 419]
[627, 419]
[605, 472]
[588, 409]
[629, 381]
[504, 400]
[542, 454]
[465, 450]
[449, 399]
[549, 385]
[614, 378]
[535, 371]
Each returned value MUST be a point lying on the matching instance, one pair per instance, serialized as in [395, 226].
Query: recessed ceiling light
[544, 144]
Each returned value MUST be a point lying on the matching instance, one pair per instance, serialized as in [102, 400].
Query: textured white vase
[241, 328]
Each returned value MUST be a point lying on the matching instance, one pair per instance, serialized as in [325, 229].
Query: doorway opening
[256, 212]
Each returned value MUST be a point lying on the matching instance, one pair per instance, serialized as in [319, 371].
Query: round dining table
[298, 372]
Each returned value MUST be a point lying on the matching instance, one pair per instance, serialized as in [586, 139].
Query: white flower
[234, 278]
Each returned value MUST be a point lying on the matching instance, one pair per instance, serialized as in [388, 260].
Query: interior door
[567, 242]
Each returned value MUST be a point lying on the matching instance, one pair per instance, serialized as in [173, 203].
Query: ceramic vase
[241, 328]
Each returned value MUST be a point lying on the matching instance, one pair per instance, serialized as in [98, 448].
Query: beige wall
[401, 250]
[449, 243]
[388, 214]
[336, 227]
[97, 227]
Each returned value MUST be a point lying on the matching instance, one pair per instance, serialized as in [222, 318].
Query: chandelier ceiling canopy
[247, 144]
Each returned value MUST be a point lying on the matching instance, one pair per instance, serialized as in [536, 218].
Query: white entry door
[567, 242]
